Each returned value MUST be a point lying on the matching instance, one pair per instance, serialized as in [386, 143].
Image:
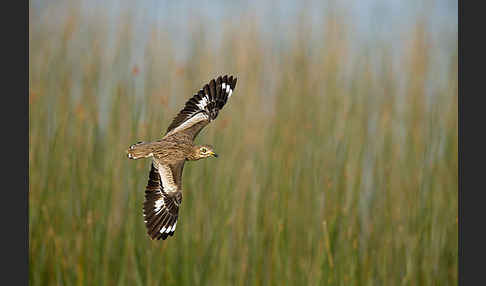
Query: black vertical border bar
[14, 136]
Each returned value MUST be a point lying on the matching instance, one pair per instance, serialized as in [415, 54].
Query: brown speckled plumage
[163, 194]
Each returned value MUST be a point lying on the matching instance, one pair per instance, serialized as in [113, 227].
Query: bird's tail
[140, 150]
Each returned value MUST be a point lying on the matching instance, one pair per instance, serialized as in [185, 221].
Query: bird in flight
[163, 194]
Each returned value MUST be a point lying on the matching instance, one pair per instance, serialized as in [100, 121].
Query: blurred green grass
[325, 178]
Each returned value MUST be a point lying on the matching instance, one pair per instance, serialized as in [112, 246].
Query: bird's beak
[214, 154]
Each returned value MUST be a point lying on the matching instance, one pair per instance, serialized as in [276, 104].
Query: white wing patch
[227, 89]
[168, 229]
[158, 205]
[193, 120]
[203, 102]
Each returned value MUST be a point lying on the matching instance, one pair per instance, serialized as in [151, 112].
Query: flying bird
[163, 194]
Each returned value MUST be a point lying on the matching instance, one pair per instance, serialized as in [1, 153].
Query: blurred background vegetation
[338, 151]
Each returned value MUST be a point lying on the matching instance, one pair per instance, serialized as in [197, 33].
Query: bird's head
[204, 151]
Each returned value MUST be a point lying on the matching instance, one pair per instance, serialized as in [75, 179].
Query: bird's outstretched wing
[163, 197]
[203, 107]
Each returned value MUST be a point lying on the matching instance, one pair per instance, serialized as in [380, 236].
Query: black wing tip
[228, 79]
[163, 236]
[159, 236]
[155, 224]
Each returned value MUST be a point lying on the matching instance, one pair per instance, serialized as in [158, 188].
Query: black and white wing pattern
[203, 107]
[163, 197]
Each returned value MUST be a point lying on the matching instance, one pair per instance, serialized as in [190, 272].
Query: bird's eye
[204, 150]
